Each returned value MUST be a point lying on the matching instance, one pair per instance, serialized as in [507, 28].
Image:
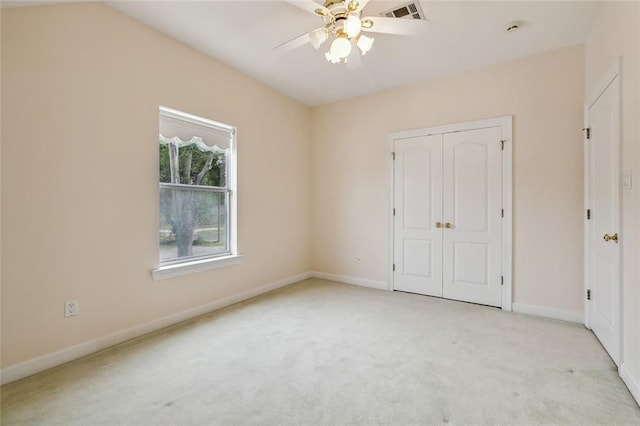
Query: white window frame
[177, 267]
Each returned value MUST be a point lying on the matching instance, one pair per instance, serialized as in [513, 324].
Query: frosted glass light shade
[364, 43]
[352, 26]
[341, 47]
[331, 58]
[317, 37]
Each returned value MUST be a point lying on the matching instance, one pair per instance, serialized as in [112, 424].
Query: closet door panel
[472, 177]
[418, 204]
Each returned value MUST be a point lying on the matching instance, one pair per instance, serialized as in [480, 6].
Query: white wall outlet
[70, 308]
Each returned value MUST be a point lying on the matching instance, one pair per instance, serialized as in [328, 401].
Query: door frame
[506, 122]
[613, 73]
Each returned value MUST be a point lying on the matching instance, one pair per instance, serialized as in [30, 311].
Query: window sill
[172, 271]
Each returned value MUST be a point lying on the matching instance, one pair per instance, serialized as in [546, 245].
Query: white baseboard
[50, 360]
[632, 384]
[362, 282]
[542, 311]
[44, 362]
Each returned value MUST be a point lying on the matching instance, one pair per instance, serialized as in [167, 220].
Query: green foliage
[193, 160]
[165, 169]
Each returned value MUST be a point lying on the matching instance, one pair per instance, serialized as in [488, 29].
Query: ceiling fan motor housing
[338, 10]
[336, 13]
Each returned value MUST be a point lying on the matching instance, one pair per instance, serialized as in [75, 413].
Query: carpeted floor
[320, 353]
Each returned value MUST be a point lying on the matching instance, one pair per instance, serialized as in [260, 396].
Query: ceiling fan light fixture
[318, 37]
[331, 58]
[345, 28]
[352, 26]
[341, 46]
[364, 43]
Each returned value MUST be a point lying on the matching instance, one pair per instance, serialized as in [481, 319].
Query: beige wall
[81, 89]
[616, 34]
[544, 93]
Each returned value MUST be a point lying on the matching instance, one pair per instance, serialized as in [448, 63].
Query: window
[197, 187]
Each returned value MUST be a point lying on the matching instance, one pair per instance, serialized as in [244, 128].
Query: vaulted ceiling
[460, 36]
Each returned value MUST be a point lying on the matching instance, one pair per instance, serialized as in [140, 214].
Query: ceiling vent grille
[411, 10]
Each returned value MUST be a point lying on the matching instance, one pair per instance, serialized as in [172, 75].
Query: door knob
[613, 237]
[438, 225]
[448, 225]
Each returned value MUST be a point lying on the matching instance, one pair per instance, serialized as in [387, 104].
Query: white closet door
[472, 210]
[418, 204]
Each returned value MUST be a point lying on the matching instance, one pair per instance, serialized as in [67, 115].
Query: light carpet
[321, 353]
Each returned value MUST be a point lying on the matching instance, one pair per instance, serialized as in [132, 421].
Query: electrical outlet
[70, 308]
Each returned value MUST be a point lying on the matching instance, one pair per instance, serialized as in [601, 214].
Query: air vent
[411, 10]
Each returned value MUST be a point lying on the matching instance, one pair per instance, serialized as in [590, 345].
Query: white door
[418, 206]
[447, 223]
[604, 249]
[473, 216]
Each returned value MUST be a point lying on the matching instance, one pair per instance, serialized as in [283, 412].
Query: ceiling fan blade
[398, 26]
[354, 60]
[290, 45]
[308, 5]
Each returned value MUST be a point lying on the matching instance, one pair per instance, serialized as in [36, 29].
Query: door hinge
[502, 145]
[394, 211]
[501, 279]
[394, 266]
[588, 294]
[502, 213]
[588, 130]
[393, 155]
[588, 214]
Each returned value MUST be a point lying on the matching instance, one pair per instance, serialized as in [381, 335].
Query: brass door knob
[448, 225]
[613, 237]
[438, 225]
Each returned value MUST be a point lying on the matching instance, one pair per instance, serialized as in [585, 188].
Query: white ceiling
[461, 36]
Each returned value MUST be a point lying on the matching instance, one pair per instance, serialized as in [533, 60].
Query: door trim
[608, 78]
[506, 122]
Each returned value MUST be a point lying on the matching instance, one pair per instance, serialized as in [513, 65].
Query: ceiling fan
[342, 21]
